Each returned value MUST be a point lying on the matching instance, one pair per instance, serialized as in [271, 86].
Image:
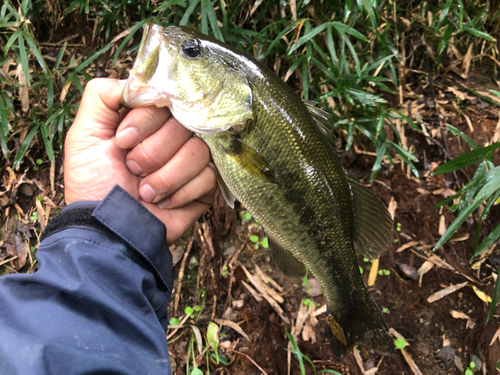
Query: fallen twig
[181, 275]
[250, 359]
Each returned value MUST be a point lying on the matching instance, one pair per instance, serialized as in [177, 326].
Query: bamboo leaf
[47, 141]
[462, 135]
[307, 36]
[487, 190]
[189, 11]
[462, 161]
[493, 303]
[25, 145]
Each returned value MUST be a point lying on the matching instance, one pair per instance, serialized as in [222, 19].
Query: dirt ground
[444, 337]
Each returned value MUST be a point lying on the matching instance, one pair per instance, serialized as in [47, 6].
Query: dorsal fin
[286, 262]
[374, 225]
[320, 117]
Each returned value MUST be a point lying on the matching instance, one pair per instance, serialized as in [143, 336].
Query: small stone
[26, 190]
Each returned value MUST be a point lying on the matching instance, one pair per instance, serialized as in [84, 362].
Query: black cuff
[77, 217]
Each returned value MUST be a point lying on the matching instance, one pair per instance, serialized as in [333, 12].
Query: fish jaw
[206, 93]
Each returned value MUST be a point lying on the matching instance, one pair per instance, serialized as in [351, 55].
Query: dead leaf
[23, 89]
[444, 292]
[442, 225]
[372, 277]
[482, 295]
[406, 246]
[393, 205]
[413, 366]
[17, 247]
[458, 315]
[495, 336]
[234, 326]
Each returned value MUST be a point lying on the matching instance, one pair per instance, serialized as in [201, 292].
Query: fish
[275, 154]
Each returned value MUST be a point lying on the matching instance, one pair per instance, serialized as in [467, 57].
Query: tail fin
[363, 324]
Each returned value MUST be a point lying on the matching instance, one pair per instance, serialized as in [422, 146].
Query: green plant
[400, 343]
[255, 239]
[483, 190]
[470, 369]
[301, 357]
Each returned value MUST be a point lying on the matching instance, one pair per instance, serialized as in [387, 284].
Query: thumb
[98, 113]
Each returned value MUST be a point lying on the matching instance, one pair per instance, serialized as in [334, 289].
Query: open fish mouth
[138, 92]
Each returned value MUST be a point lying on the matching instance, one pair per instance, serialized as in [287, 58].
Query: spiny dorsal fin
[286, 262]
[251, 160]
[373, 222]
[226, 193]
[320, 117]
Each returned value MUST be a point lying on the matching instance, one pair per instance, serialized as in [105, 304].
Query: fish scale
[277, 157]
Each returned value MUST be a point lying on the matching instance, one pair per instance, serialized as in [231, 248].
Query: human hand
[145, 150]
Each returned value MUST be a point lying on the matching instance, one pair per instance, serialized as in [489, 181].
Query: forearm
[99, 299]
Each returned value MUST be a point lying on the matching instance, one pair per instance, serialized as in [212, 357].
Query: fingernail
[164, 203]
[147, 193]
[134, 167]
[127, 138]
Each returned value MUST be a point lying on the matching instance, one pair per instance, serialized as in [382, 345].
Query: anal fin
[286, 262]
[373, 222]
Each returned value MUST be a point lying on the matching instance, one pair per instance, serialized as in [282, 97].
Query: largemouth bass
[276, 155]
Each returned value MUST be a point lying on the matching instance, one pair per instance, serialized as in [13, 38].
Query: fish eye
[191, 48]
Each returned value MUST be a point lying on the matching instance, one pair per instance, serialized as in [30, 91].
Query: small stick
[8, 260]
[181, 275]
[250, 359]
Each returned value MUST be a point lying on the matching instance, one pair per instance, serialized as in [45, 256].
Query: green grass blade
[24, 146]
[349, 30]
[47, 141]
[493, 304]
[479, 34]
[462, 135]
[35, 50]
[204, 17]
[489, 189]
[444, 12]
[285, 31]
[10, 42]
[91, 58]
[307, 36]
[406, 156]
[24, 59]
[132, 32]
[297, 352]
[462, 161]
[60, 56]
[446, 37]
[212, 18]
[166, 5]
[189, 11]
[489, 240]
[381, 150]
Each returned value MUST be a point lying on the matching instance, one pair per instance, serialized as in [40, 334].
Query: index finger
[99, 106]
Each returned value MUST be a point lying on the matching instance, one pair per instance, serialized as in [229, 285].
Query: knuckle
[196, 147]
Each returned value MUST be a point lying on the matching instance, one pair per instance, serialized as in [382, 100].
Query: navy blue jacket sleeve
[98, 302]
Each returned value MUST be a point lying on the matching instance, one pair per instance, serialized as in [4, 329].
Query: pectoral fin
[286, 262]
[226, 193]
[373, 222]
[251, 160]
